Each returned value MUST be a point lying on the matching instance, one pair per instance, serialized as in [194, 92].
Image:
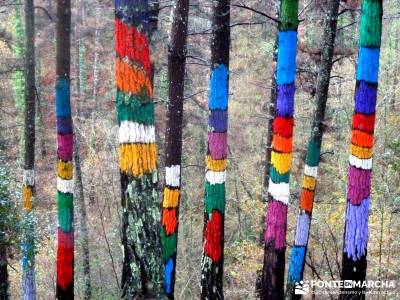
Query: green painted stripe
[132, 108]
[288, 15]
[169, 243]
[313, 153]
[371, 23]
[65, 211]
[214, 197]
[276, 177]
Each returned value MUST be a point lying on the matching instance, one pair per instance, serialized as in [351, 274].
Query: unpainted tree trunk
[299, 250]
[173, 140]
[214, 199]
[28, 188]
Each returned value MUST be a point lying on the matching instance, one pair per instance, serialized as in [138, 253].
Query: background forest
[251, 66]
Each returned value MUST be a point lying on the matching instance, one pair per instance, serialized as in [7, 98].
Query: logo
[302, 288]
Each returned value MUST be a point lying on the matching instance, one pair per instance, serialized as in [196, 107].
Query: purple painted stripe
[356, 236]
[365, 97]
[217, 144]
[64, 125]
[359, 185]
[65, 146]
[275, 223]
[302, 229]
[285, 100]
[218, 120]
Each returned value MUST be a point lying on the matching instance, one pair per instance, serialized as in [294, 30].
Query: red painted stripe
[283, 126]
[364, 122]
[131, 43]
[213, 237]
[65, 258]
[169, 220]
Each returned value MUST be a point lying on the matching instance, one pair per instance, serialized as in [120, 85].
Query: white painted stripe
[279, 191]
[29, 177]
[365, 164]
[311, 171]
[65, 186]
[173, 175]
[132, 132]
[216, 177]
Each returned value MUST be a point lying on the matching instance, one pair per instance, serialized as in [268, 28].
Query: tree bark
[173, 140]
[354, 259]
[299, 251]
[65, 251]
[77, 159]
[272, 283]
[214, 200]
[28, 187]
[141, 227]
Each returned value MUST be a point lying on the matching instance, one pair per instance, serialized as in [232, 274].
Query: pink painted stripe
[217, 144]
[359, 185]
[65, 146]
[275, 223]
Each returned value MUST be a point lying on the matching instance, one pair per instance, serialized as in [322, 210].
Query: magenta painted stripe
[65, 146]
[359, 185]
[275, 222]
[217, 144]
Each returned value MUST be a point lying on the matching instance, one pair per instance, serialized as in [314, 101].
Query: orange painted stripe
[169, 220]
[362, 139]
[27, 197]
[307, 200]
[282, 144]
[132, 79]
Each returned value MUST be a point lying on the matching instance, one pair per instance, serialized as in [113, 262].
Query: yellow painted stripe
[216, 165]
[137, 159]
[281, 161]
[309, 183]
[171, 198]
[361, 152]
[64, 169]
[27, 197]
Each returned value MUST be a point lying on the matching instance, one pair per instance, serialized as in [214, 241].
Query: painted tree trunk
[354, 260]
[173, 143]
[298, 255]
[28, 187]
[4, 283]
[281, 155]
[216, 160]
[65, 183]
[141, 227]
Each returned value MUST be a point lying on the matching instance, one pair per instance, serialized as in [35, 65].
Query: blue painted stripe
[63, 93]
[296, 264]
[64, 125]
[168, 274]
[218, 120]
[286, 68]
[365, 97]
[219, 84]
[368, 64]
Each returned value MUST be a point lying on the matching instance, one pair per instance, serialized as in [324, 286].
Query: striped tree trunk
[141, 227]
[65, 183]
[28, 188]
[354, 261]
[281, 155]
[298, 255]
[216, 160]
[173, 143]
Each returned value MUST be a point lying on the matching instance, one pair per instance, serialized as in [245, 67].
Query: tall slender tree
[216, 160]
[141, 227]
[173, 143]
[65, 183]
[272, 285]
[28, 188]
[298, 255]
[354, 260]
